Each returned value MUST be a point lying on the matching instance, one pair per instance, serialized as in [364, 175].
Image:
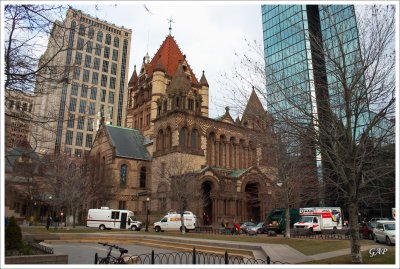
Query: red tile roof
[170, 57]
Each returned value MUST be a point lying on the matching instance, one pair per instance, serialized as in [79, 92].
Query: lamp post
[147, 214]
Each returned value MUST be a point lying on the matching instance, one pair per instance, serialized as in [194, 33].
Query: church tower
[154, 90]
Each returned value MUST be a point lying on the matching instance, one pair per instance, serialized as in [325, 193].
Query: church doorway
[253, 202]
[207, 205]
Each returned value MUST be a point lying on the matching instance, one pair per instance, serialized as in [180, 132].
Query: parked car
[385, 231]
[259, 228]
[376, 219]
[245, 225]
[366, 229]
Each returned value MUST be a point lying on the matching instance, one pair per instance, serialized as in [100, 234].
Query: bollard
[268, 260]
[194, 256]
[152, 257]
[226, 257]
[96, 257]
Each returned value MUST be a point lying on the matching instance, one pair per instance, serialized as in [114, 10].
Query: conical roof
[179, 82]
[133, 79]
[159, 66]
[254, 108]
[203, 80]
[170, 55]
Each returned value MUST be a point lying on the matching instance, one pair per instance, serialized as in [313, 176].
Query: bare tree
[74, 184]
[184, 190]
[355, 98]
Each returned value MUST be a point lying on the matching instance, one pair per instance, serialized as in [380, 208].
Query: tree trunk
[183, 223]
[73, 217]
[287, 220]
[355, 244]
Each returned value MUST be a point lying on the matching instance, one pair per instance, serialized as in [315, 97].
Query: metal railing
[44, 249]
[193, 257]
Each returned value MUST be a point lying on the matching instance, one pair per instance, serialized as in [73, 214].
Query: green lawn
[388, 258]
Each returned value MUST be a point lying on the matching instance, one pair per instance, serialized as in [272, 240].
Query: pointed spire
[146, 58]
[134, 78]
[159, 65]
[203, 80]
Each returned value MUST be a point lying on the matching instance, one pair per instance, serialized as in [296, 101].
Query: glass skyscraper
[295, 64]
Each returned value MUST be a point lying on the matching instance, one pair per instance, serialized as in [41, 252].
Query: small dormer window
[184, 68]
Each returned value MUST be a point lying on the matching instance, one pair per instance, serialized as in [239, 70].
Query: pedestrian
[48, 222]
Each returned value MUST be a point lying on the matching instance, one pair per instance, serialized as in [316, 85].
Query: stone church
[167, 121]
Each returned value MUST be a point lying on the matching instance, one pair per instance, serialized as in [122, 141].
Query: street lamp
[147, 214]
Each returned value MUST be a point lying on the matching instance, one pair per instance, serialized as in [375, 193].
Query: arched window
[91, 33]
[142, 180]
[160, 140]
[182, 138]
[122, 175]
[81, 29]
[108, 39]
[194, 139]
[168, 138]
[116, 42]
[99, 36]
[211, 149]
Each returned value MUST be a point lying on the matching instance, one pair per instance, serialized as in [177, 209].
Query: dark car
[366, 229]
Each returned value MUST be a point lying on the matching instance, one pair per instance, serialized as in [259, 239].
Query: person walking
[48, 222]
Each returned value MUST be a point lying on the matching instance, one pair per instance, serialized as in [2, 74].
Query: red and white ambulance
[319, 218]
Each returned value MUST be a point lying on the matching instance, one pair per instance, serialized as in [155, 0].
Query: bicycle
[110, 259]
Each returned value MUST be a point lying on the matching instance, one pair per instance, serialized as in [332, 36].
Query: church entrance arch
[206, 187]
[253, 203]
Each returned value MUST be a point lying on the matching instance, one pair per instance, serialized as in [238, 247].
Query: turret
[204, 94]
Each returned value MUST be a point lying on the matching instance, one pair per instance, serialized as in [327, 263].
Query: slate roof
[12, 155]
[170, 55]
[128, 142]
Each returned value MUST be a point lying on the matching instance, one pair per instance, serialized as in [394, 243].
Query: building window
[122, 176]
[72, 104]
[85, 75]
[79, 138]
[88, 141]
[89, 47]
[84, 90]
[103, 95]
[108, 39]
[99, 36]
[79, 46]
[115, 55]
[92, 108]
[113, 68]
[111, 97]
[143, 177]
[95, 78]
[112, 82]
[80, 123]
[81, 29]
[110, 112]
[93, 92]
[77, 73]
[68, 137]
[105, 66]
[91, 33]
[182, 138]
[106, 52]
[103, 81]
[97, 50]
[82, 106]
[96, 63]
[71, 121]
[122, 205]
[78, 58]
[74, 89]
[116, 42]
[88, 60]
[194, 138]
[90, 124]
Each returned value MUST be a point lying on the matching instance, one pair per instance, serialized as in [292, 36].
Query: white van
[318, 218]
[172, 222]
[106, 218]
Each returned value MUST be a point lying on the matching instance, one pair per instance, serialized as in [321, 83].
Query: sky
[208, 33]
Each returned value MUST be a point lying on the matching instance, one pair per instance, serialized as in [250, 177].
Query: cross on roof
[170, 20]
